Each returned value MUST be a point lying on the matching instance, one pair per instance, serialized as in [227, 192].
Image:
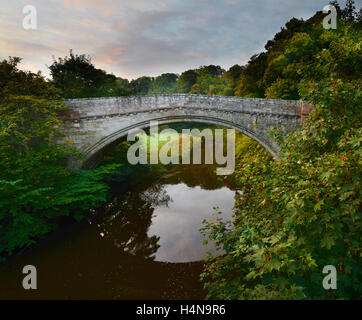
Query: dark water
[143, 244]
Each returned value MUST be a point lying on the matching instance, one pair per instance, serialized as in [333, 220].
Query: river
[143, 244]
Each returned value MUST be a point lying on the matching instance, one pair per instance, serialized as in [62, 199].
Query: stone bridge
[96, 125]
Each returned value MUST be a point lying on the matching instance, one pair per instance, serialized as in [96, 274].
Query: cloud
[147, 37]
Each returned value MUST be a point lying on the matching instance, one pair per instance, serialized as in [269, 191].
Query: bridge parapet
[95, 125]
[115, 106]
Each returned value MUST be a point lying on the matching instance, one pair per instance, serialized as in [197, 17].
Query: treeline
[274, 73]
[77, 77]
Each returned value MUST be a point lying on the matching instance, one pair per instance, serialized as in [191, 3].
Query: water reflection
[128, 217]
[128, 248]
[160, 220]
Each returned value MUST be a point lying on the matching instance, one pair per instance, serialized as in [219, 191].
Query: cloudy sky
[131, 38]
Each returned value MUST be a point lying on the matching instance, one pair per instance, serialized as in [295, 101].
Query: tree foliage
[141, 86]
[164, 84]
[36, 188]
[301, 213]
[76, 77]
[276, 73]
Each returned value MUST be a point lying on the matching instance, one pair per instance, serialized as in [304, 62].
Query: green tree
[36, 188]
[164, 84]
[232, 76]
[211, 70]
[251, 82]
[77, 77]
[141, 86]
[186, 81]
[303, 212]
[348, 13]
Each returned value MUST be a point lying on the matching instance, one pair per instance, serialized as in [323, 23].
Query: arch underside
[94, 154]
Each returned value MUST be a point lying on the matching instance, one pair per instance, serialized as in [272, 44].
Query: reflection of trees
[202, 175]
[156, 195]
[128, 217]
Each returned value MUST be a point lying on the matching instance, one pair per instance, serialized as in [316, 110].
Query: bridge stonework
[96, 125]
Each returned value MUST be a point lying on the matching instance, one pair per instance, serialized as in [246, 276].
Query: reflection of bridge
[97, 124]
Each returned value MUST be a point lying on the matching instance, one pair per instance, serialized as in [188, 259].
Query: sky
[131, 38]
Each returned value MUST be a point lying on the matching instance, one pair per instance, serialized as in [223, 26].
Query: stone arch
[94, 154]
[92, 124]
